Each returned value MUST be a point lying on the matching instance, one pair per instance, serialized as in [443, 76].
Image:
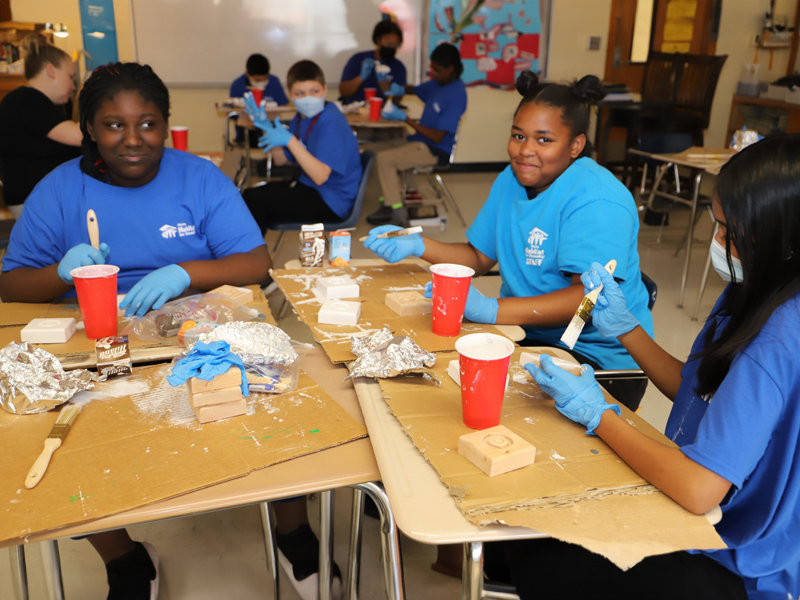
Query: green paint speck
[314, 431]
[266, 437]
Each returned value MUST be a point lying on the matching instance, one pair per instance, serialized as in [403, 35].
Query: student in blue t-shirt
[169, 220]
[445, 99]
[360, 71]
[257, 76]
[736, 411]
[320, 141]
[534, 224]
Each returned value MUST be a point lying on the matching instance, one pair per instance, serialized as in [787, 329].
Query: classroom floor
[221, 554]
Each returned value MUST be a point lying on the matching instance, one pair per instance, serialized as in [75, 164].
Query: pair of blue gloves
[150, 292]
[275, 134]
[367, 66]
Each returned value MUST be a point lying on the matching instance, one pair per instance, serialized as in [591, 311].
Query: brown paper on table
[141, 443]
[578, 489]
[374, 283]
[78, 351]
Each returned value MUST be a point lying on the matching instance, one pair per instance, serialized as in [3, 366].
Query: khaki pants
[391, 160]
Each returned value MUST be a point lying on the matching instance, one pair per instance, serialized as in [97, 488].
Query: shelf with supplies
[11, 35]
[784, 116]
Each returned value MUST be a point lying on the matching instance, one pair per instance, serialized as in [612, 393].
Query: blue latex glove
[577, 398]
[610, 314]
[155, 288]
[206, 361]
[81, 255]
[479, 308]
[394, 249]
[257, 113]
[382, 76]
[275, 137]
[396, 90]
[367, 65]
[394, 115]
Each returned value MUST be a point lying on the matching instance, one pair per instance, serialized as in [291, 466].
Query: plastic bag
[274, 378]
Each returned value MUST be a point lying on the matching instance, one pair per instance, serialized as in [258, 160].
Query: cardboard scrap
[298, 285]
[575, 475]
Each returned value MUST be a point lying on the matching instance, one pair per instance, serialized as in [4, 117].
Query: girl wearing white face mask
[319, 140]
[736, 412]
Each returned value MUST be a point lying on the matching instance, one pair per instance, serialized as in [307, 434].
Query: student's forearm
[316, 170]
[28, 284]
[350, 87]
[457, 253]
[385, 86]
[663, 369]
[553, 309]
[690, 484]
[67, 132]
[435, 135]
[245, 268]
[278, 157]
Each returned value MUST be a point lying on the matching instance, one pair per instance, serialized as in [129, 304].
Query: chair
[367, 159]
[242, 174]
[652, 291]
[231, 119]
[695, 94]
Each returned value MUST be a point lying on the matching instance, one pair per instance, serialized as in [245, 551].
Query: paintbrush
[584, 310]
[53, 442]
[395, 233]
[94, 230]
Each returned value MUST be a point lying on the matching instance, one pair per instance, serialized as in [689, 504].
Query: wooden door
[619, 66]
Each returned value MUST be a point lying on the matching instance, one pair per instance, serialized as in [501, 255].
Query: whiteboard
[207, 42]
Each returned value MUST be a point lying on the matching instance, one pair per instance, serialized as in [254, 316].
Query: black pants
[550, 569]
[287, 202]
[625, 391]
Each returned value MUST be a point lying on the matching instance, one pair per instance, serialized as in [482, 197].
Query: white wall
[574, 21]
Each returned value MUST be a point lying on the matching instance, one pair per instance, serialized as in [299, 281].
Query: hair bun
[589, 89]
[527, 83]
[34, 43]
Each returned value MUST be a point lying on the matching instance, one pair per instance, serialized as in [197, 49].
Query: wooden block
[336, 312]
[496, 450]
[48, 331]
[216, 412]
[529, 357]
[231, 378]
[224, 396]
[240, 294]
[334, 288]
[409, 303]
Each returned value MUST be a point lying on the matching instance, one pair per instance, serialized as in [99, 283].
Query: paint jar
[483, 360]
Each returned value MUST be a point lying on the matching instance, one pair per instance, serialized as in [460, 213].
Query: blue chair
[367, 159]
[652, 291]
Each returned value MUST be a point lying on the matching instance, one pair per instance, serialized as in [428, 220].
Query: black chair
[652, 291]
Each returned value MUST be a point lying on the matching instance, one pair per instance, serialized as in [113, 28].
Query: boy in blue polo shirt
[257, 75]
[360, 71]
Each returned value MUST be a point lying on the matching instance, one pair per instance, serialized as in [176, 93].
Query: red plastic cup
[180, 138]
[97, 296]
[369, 93]
[483, 362]
[375, 105]
[258, 95]
[449, 292]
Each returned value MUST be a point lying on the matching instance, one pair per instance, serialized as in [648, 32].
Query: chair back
[698, 83]
[652, 291]
[662, 75]
[663, 143]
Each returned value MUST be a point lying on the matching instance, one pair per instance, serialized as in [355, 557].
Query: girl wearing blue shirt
[534, 224]
[736, 415]
[360, 71]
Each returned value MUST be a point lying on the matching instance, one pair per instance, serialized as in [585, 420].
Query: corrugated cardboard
[578, 489]
[375, 282]
[145, 445]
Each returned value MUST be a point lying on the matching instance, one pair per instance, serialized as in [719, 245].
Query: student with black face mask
[363, 70]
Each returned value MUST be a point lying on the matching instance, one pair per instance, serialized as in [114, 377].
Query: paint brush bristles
[584, 311]
[53, 442]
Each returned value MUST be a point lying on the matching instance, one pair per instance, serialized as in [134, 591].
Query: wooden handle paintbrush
[584, 310]
[53, 442]
[94, 229]
[395, 233]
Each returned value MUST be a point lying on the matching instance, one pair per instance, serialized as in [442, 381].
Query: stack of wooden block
[219, 398]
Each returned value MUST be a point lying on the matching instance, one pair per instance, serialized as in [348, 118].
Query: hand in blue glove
[155, 288]
[610, 314]
[396, 90]
[366, 68]
[257, 113]
[479, 308]
[81, 255]
[382, 75]
[277, 136]
[394, 249]
[577, 398]
[395, 114]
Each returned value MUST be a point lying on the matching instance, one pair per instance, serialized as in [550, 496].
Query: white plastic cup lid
[451, 270]
[93, 271]
[484, 346]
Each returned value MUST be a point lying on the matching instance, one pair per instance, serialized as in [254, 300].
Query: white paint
[451, 270]
[48, 331]
[557, 456]
[337, 287]
[484, 346]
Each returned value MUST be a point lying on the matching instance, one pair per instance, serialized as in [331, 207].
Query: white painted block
[336, 312]
[334, 288]
[48, 331]
[454, 370]
[521, 377]
[529, 357]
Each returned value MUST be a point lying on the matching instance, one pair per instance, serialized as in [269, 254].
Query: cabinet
[765, 115]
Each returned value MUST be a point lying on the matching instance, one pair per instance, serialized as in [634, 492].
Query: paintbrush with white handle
[94, 229]
[584, 311]
[395, 233]
[53, 442]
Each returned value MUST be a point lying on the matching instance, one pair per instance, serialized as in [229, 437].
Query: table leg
[271, 548]
[50, 550]
[19, 572]
[472, 572]
[354, 562]
[690, 236]
[392, 564]
[702, 286]
[325, 544]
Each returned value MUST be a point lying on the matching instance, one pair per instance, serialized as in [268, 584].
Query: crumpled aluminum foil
[32, 380]
[742, 138]
[256, 343]
[383, 355]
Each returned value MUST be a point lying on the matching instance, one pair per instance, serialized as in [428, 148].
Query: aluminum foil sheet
[32, 380]
[743, 138]
[256, 343]
[383, 355]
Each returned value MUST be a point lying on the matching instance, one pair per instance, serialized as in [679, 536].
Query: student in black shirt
[35, 134]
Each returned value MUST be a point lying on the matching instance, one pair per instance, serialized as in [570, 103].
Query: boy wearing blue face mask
[257, 76]
[319, 140]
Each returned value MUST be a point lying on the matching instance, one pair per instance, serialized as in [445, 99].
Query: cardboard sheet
[79, 352]
[578, 489]
[375, 282]
[137, 442]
